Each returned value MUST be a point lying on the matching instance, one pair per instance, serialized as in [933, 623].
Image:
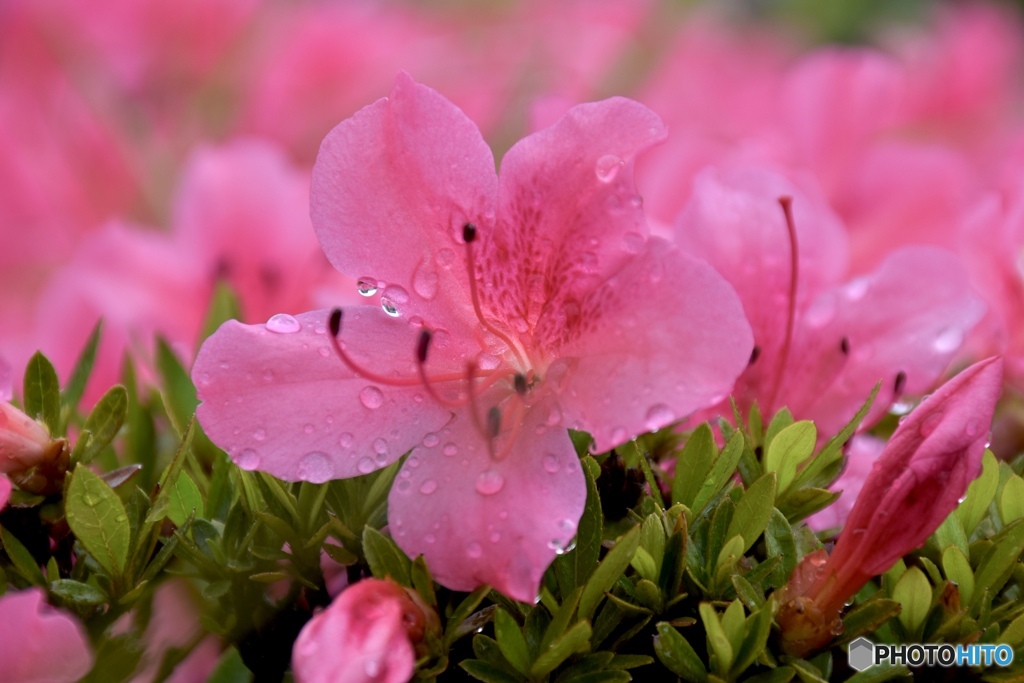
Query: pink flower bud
[914, 485]
[367, 634]
[39, 643]
[24, 443]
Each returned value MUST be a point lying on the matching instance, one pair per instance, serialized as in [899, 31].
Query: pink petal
[6, 381]
[360, 638]
[5, 491]
[285, 403]
[663, 337]
[863, 452]
[39, 644]
[568, 210]
[392, 188]
[909, 316]
[477, 520]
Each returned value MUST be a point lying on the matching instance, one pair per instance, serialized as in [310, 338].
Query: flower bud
[34, 461]
[913, 486]
[368, 633]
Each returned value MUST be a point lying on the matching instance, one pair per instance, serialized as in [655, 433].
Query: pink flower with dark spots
[512, 307]
[367, 634]
[822, 340]
[39, 643]
[913, 486]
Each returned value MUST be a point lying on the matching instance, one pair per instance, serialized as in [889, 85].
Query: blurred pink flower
[366, 634]
[39, 644]
[509, 313]
[822, 344]
[913, 486]
[174, 623]
[861, 455]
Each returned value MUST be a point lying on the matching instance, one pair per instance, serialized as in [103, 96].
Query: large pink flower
[512, 307]
[39, 644]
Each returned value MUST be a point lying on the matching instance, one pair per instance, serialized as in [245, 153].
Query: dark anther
[844, 346]
[335, 321]
[520, 383]
[494, 422]
[423, 346]
[754, 355]
[901, 381]
[468, 233]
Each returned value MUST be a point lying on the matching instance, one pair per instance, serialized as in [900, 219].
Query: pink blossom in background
[913, 486]
[545, 336]
[366, 634]
[40, 644]
[174, 623]
[861, 455]
[821, 353]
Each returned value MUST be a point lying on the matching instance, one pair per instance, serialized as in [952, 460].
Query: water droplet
[248, 459]
[431, 440]
[607, 168]
[494, 536]
[429, 538]
[204, 379]
[658, 416]
[822, 311]
[345, 440]
[315, 467]
[450, 449]
[366, 286]
[857, 288]
[551, 463]
[489, 482]
[425, 280]
[634, 242]
[403, 485]
[259, 435]
[371, 397]
[487, 361]
[445, 257]
[413, 462]
[972, 428]
[283, 323]
[948, 340]
[268, 375]
[389, 307]
[380, 446]
[324, 351]
[474, 550]
[503, 515]
[366, 465]
[308, 428]
[428, 487]
[372, 668]
[930, 423]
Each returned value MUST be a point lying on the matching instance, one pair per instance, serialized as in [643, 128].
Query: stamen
[844, 346]
[794, 273]
[334, 322]
[754, 355]
[520, 384]
[494, 422]
[474, 412]
[422, 347]
[899, 384]
[469, 236]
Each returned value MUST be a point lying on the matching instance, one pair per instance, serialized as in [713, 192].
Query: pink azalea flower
[174, 623]
[914, 485]
[368, 633]
[512, 307]
[822, 344]
[39, 644]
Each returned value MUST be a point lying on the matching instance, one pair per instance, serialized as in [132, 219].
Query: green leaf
[1013, 634]
[511, 642]
[574, 641]
[951, 533]
[755, 507]
[757, 627]
[693, 465]
[678, 655]
[462, 612]
[224, 306]
[980, 494]
[42, 392]
[105, 421]
[178, 391]
[608, 572]
[833, 450]
[801, 503]
[22, 559]
[80, 373]
[230, 669]
[185, 500]
[385, 557]
[958, 570]
[721, 472]
[98, 518]
[914, 593]
[779, 541]
[78, 593]
[1011, 501]
[574, 568]
[791, 447]
[868, 617]
[489, 673]
[718, 639]
[998, 562]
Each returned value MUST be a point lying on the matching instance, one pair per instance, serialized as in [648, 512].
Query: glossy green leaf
[98, 518]
[185, 500]
[42, 392]
[958, 570]
[510, 640]
[574, 568]
[721, 472]
[755, 507]
[718, 639]
[82, 369]
[1011, 500]
[77, 593]
[385, 557]
[21, 558]
[608, 572]
[980, 494]
[574, 641]
[914, 593]
[105, 421]
[791, 447]
[693, 465]
[678, 655]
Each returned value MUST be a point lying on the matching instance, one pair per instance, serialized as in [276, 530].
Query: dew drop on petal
[380, 446]
[431, 440]
[389, 307]
[489, 482]
[428, 487]
[372, 668]
[948, 340]
[503, 515]
[474, 550]
[857, 288]
[658, 416]
[972, 428]
[424, 280]
[367, 286]
[315, 467]
[248, 459]
[308, 428]
[366, 465]
[259, 435]
[371, 397]
[450, 449]
[429, 538]
[607, 168]
[494, 537]
[821, 311]
[551, 463]
[403, 485]
[283, 323]
[345, 440]
[324, 351]
[488, 361]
